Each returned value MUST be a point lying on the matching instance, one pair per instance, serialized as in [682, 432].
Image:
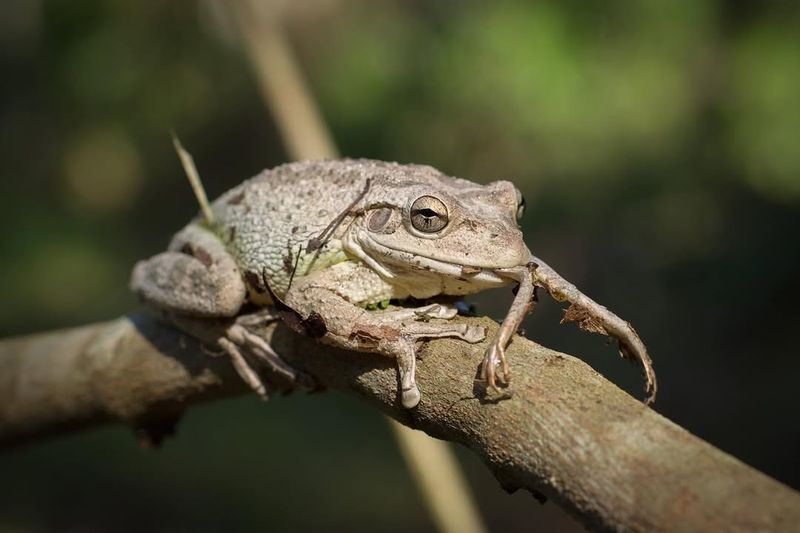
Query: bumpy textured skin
[331, 237]
[267, 221]
[196, 276]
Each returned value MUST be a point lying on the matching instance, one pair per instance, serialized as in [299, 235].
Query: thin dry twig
[187, 161]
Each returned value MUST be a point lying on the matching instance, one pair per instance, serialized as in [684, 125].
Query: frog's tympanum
[339, 246]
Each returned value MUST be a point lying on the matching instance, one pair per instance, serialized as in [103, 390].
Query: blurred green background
[657, 144]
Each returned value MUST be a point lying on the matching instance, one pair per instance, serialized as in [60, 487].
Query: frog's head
[439, 235]
[434, 234]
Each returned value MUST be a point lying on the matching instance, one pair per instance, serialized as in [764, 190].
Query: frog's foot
[258, 318]
[495, 355]
[435, 310]
[239, 342]
[244, 368]
[406, 366]
[403, 348]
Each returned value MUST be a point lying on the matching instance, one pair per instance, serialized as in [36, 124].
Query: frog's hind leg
[243, 367]
[247, 350]
[195, 277]
[239, 334]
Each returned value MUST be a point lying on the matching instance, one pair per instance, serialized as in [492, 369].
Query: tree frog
[333, 243]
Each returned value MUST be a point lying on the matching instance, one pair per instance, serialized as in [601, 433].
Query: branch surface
[562, 431]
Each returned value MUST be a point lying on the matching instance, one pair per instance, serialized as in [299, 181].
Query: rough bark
[561, 430]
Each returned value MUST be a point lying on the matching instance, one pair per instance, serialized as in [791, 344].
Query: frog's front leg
[329, 294]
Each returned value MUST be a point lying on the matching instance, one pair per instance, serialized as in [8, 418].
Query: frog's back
[268, 220]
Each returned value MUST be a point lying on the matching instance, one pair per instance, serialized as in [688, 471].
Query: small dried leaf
[584, 319]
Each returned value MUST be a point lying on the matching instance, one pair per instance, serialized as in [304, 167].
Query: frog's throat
[398, 263]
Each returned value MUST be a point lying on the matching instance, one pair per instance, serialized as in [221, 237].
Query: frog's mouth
[395, 261]
[470, 274]
[391, 262]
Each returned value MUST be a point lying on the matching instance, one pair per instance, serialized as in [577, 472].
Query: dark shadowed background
[657, 144]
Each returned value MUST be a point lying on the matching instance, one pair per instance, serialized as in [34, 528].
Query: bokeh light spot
[102, 171]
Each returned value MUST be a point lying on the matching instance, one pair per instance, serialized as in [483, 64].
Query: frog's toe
[494, 357]
[410, 397]
[487, 376]
[474, 334]
[239, 340]
[442, 311]
[447, 311]
[244, 368]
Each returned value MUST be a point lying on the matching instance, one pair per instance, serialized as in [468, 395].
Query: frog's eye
[428, 214]
[520, 205]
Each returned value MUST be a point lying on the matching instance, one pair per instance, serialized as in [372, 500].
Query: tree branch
[562, 430]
